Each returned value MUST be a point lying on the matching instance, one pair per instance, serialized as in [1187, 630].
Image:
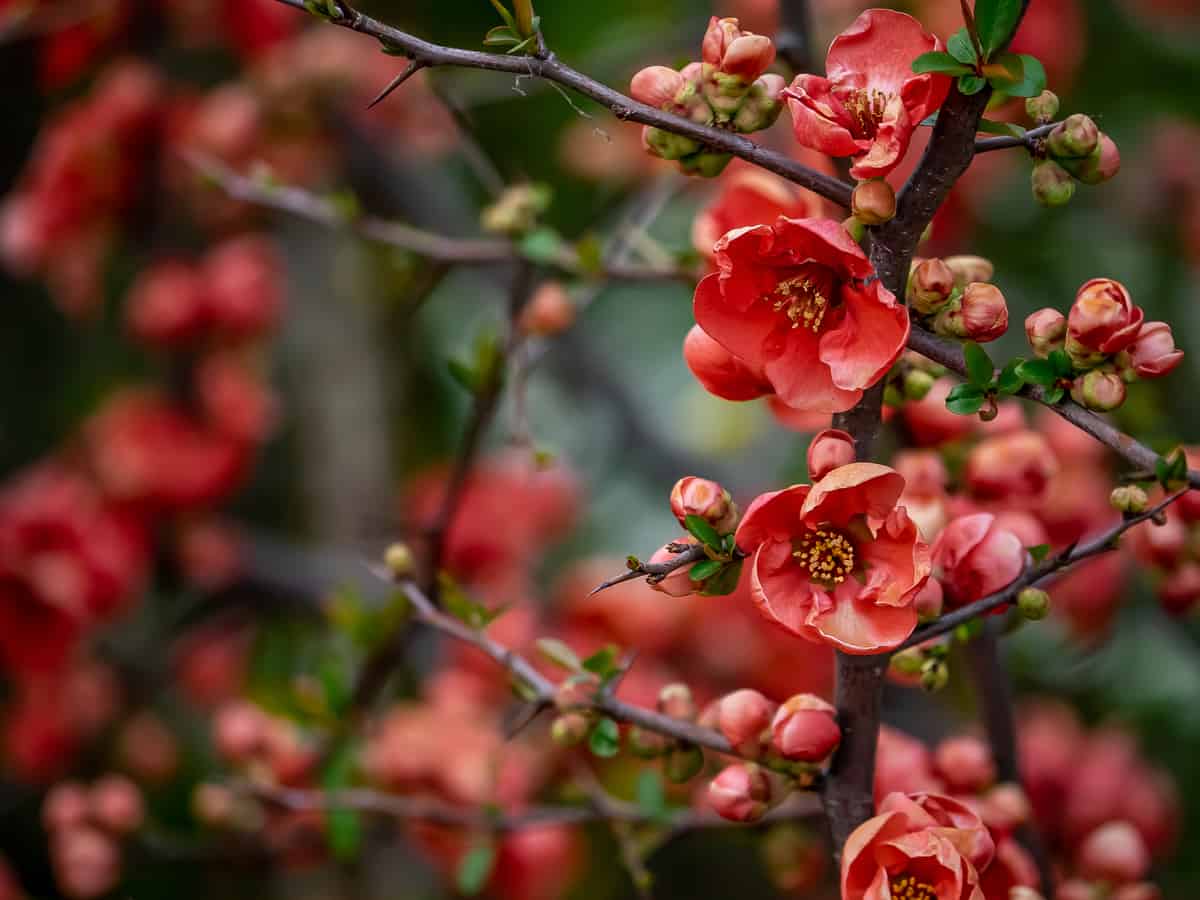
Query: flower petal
[856, 624]
[781, 591]
[819, 120]
[869, 339]
[743, 333]
[800, 378]
[774, 516]
[860, 488]
[882, 45]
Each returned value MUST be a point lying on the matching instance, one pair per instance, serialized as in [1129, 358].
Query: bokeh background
[366, 403]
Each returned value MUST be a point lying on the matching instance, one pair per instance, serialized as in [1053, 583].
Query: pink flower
[871, 102]
[1018, 466]
[924, 845]
[837, 562]
[1153, 352]
[828, 450]
[790, 301]
[1103, 318]
[976, 558]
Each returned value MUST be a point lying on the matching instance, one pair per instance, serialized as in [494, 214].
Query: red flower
[838, 562]
[924, 846]
[790, 302]
[871, 102]
[977, 557]
[747, 196]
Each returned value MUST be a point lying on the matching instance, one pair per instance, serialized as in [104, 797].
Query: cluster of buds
[1076, 150]
[681, 761]
[726, 89]
[86, 825]
[710, 516]
[1106, 343]
[955, 298]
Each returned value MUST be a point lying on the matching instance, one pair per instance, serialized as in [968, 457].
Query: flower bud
[675, 700]
[1046, 330]
[917, 384]
[1115, 853]
[965, 763]
[666, 144]
[761, 106]
[548, 312]
[1043, 107]
[980, 315]
[1005, 807]
[935, 675]
[647, 744]
[929, 601]
[239, 731]
[707, 164]
[1129, 499]
[873, 202]
[743, 792]
[970, 268]
[1103, 318]
[692, 496]
[1101, 165]
[909, 660]
[1098, 390]
[570, 729]
[116, 804]
[575, 693]
[678, 582]
[398, 559]
[804, 729]
[744, 717]
[731, 50]
[828, 450]
[1076, 137]
[1153, 352]
[1033, 604]
[658, 86]
[1052, 184]
[66, 806]
[931, 285]
[683, 763]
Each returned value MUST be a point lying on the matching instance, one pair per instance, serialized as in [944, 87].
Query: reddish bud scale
[804, 729]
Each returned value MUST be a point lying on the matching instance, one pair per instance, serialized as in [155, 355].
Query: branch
[949, 353]
[440, 248]
[548, 67]
[1028, 140]
[656, 572]
[1035, 575]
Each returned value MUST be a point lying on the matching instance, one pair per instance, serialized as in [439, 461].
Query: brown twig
[622, 106]
[656, 571]
[1004, 142]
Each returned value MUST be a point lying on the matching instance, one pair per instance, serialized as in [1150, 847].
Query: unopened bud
[804, 729]
[935, 675]
[548, 312]
[668, 145]
[966, 764]
[1033, 603]
[1103, 163]
[692, 496]
[570, 729]
[744, 717]
[1115, 852]
[647, 744]
[1046, 330]
[675, 700]
[1153, 353]
[658, 86]
[743, 792]
[707, 164]
[917, 384]
[970, 268]
[577, 692]
[398, 558]
[908, 661]
[1129, 498]
[733, 51]
[683, 763]
[1043, 107]
[761, 106]
[980, 315]
[931, 285]
[829, 450]
[873, 202]
[1074, 138]
[1098, 390]
[1052, 184]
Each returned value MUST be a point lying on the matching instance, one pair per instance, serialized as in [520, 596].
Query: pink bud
[116, 803]
[678, 582]
[692, 496]
[87, 862]
[1103, 317]
[804, 729]
[1046, 330]
[1153, 352]
[1076, 137]
[931, 286]
[65, 806]
[1005, 807]
[657, 86]
[966, 764]
[744, 718]
[675, 700]
[741, 793]
[873, 202]
[733, 51]
[548, 312]
[970, 268]
[1114, 852]
[984, 312]
[1101, 391]
[829, 449]
[1019, 464]
[923, 471]
[1104, 163]
[239, 731]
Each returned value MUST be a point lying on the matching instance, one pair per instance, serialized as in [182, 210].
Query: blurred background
[218, 481]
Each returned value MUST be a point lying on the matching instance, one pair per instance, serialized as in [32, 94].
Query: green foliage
[702, 531]
[604, 740]
[560, 654]
[995, 22]
[704, 569]
[965, 399]
[940, 63]
[463, 606]
[980, 368]
[475, 868]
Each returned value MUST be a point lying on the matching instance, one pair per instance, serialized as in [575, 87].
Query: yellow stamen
[908, 888]
[801, 300]
[866, 108]
[827, 555]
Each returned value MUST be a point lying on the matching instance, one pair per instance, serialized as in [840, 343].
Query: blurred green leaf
[651, 796]
[1038, 552]
[543, 245]
[724, 583]
[343, 827]
[605, 738]
[603, 662]
[704, 569]
[475, 868]
[965, 399]
[559, 653]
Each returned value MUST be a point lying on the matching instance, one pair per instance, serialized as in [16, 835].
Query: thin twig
[1003, 142]
[656, 571]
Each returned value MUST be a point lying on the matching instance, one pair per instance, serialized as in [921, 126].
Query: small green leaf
[543, 245]
[980, 369]
[1038, 552]
[724, 583]
[1037, 371]
[602, 662]
[1009, 381]
[463, 374]
[995, 21]
[971, 84]
[500, 36]
[1008, 129]
[702, 531]
[559, 654]
[704, 569]
[1026, 76]
[939, 63]
[1063, 367]
[965, 399]
[1172, 470]
[651, 798]
[475, 869]
[505, 14]
[1053, 395]
[960, 47]
[605, 738]
[463, 607]
[343, 827]
[968, 631]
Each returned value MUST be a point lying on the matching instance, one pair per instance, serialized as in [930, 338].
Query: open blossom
[1104, 318]
[924, 846]
[837, 562]
[870, 102]
[747, 196]
[791, 301]
[1015, 466]
[976, 557]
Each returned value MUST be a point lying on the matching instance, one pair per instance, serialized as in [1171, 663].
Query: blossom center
[827, 554]
[804, 298]
[908, 888]
[866, 109]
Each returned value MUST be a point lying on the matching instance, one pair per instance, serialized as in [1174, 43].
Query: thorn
[411, 69]
[612, 582]
[517, 720]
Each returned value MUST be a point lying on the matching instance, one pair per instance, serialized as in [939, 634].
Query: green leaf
[1172, 470]
[1027, 76]
[702, 531]
[1063, 367]
[1009, 381]
[603, 662]
[971, 84]
[475, 868]
[467, 377]
[724, 583]
[960, 47]
[1053, 395]
[343, 827]
[980, 369]
[651, 798]
[505, 14]
[1038, 552]
[965, 399]
[559, 654]
[996, 20]
[501, 36]
[940, 64]
[1008, 129]
[1037, 371]
[543, 245]
[463, 607]
[704, 569]
[589, 254]
[605, 738]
